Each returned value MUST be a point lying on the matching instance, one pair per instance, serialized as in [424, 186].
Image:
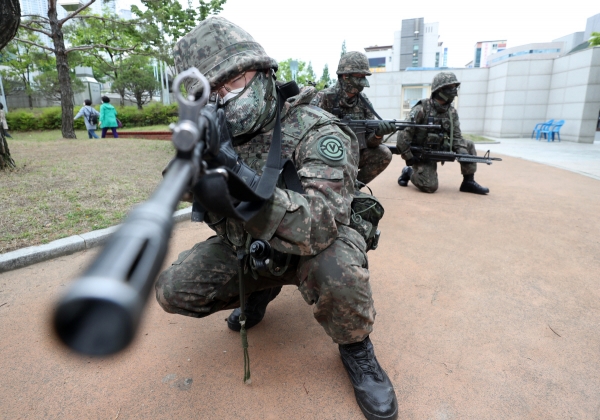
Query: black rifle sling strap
[368, 105]
[214, 190]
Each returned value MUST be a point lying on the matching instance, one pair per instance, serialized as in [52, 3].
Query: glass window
[410, 96]
[377, 62]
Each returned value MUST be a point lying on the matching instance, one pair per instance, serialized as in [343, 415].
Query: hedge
[51, 118]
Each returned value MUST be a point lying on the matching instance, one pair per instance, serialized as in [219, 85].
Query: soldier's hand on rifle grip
[412, 161]
[385, 127]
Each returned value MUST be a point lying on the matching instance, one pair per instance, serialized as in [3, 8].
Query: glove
[385, 127]
[228, 158]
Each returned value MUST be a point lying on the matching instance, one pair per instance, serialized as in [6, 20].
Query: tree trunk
[6, 161]
[138, 100]
[64, 78]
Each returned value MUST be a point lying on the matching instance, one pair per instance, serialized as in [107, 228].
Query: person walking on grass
[90, 117]
[3, 123]
[108, 117]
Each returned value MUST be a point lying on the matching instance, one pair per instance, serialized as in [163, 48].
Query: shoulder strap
[214, 190]
[368, 105]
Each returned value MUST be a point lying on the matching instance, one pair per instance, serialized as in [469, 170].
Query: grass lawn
[477, 139]
[64, 187]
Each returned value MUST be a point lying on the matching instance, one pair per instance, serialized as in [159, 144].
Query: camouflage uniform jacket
[325, 154]
[330, 98]
[424, 109]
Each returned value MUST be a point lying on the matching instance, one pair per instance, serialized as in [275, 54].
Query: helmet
[220, 50]
[9, 20]
[442, 79]
[354, 62]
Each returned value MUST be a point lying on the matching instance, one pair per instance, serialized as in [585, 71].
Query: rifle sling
[215, 191]
[368, 105]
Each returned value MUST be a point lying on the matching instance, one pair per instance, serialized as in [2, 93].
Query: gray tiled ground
[576, 157]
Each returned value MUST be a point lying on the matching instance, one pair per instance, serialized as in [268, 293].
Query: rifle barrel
[101, 311]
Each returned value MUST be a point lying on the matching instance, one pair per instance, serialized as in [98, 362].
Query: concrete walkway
[487, 308]
[576, 157]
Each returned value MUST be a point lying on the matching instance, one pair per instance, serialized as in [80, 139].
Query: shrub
[51, 118]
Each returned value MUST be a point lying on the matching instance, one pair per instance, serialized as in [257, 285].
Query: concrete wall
[575, 94]
[508, 99]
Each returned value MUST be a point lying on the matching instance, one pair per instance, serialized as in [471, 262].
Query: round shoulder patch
[331, 148]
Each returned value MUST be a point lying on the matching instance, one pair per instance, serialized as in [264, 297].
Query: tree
[52, 27]
[48, 85]
[9, 22]
[595, 39]
[166, 21]
[343, 48]
[137, 81]
[284, 73]
[22, 60]
[325, 81]
[111, 31]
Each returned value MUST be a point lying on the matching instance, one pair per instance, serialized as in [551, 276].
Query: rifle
[427, 154]
[100, 312]
[360, 127]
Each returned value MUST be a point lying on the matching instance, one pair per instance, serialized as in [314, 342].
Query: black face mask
[448, 94]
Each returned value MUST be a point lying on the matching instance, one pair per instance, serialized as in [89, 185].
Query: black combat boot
[405, 176]
[256, 306]
[470, 185]
[373, 389]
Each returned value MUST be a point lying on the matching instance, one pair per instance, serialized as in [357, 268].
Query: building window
[437, 59]
[415, 56]
[477, 57]
[377, 62]
[410, 96]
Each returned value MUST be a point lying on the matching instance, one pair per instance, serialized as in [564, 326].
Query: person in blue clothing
[108, 117]
[88, 113]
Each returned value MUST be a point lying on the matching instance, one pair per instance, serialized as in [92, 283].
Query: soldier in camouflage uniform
[439, 110]
[346, 99]
[314, 247]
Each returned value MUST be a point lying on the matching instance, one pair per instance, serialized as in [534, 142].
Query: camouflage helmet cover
[442, 79]
[354, 62]
[220, 50]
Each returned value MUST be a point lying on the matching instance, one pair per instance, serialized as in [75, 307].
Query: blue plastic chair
[553, 130]
[539, 127]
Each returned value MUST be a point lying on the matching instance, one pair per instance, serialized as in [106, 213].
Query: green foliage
[136, 81]
[51, 118]
[22, 60]
[595, 39]
[166, 21]
[125, 37]
[325, 80]
[284, 73]
[48, 86]
[305, 74]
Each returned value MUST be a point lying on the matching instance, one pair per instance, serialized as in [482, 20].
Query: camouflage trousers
[204, 280]
[425, 176]
[373, 161]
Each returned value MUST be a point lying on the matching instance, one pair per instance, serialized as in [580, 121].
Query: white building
[417, 44]
[484, 49]
[380, 58]
[508, 98]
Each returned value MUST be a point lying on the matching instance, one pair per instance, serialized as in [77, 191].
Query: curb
[35, 254]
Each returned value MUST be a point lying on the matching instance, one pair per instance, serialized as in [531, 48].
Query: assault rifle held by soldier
[101, 311]
[426, 154]
[361, 126]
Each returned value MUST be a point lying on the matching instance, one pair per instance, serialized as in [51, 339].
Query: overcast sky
[313, 30]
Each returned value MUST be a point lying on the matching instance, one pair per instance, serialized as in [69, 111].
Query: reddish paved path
[488, 308]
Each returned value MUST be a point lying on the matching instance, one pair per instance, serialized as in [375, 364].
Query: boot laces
[366, 360]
